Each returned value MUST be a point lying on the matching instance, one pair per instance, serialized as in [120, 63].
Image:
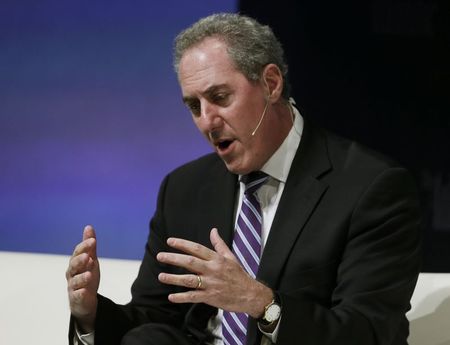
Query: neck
[281, 122]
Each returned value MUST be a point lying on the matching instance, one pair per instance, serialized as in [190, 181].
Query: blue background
[91, 119]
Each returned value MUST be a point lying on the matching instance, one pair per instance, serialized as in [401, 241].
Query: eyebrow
[209, 91]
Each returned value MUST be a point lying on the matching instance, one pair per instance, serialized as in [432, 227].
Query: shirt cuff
[83, 339]
[272, 336]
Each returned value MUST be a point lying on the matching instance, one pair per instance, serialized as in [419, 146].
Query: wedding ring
[199, 282]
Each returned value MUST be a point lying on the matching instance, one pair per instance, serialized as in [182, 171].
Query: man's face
[226, 107]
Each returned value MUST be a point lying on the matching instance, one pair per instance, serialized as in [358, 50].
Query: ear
[272, 80]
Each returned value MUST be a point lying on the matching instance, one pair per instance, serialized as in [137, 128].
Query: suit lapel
[301, 195]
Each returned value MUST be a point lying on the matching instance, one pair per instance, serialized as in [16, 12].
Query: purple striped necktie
[247, 248]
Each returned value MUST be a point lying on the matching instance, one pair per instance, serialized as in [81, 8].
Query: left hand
[225, 284]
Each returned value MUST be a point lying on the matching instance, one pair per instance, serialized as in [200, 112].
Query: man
[322, 247]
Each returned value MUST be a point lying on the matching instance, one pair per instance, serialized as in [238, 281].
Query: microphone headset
[291, 103]
[264, 111]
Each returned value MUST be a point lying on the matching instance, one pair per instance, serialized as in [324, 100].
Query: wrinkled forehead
[208, 60]
[214, 47]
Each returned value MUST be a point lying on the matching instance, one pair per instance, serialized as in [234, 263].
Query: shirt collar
[280, 162]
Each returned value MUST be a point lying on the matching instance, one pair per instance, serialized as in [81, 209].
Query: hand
[225, 284]
[83, 279]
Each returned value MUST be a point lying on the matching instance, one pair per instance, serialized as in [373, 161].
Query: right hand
[83, 279]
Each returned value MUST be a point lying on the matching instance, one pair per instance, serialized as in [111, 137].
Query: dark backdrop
[377, 72]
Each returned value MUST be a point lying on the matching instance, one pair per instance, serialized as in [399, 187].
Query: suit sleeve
[376, 275]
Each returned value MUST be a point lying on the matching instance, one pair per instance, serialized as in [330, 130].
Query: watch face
[272, 313]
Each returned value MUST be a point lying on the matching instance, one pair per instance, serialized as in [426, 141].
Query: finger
[189, 262]
[80, 281]
[79, 264]
[191, 248]
[77, 296]
[87, 246]
[191, 281]
[191, 296]
[89, 232]
[219, 245]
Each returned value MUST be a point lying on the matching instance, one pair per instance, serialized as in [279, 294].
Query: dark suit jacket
[343, 251]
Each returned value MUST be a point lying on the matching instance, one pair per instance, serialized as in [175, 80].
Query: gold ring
[199, 282]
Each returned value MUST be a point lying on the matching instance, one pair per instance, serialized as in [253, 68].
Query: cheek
[243, 125]
[248, 121]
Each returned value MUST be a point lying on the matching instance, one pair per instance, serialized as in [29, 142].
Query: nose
[209, 119]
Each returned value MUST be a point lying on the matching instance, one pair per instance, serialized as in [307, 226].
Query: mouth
[223, 145]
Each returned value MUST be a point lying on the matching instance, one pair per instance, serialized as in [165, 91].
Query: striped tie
[247, 248]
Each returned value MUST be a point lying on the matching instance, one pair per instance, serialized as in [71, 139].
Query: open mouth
[223, 145]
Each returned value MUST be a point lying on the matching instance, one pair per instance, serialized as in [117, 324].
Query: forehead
[205, 65]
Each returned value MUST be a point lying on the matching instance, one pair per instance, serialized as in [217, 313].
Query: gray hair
[251, 45]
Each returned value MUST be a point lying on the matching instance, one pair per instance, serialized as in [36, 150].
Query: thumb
[219, 245]
[89, 232]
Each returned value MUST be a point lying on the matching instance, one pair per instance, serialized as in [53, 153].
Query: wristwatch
[272, 312]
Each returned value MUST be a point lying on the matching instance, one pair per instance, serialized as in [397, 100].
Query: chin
[239, 169]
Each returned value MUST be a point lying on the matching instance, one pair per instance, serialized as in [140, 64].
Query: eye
[194, 107]
[220, 98]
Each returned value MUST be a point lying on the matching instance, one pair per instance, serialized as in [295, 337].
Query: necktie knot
[254, 181]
